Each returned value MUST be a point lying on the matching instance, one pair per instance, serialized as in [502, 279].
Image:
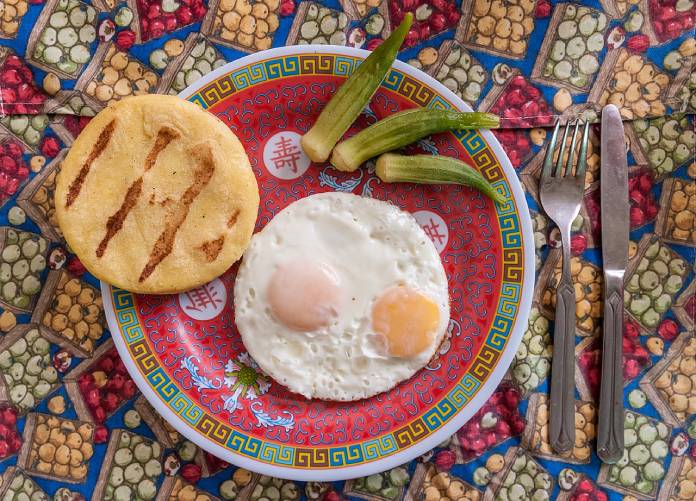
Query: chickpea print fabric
[73, 424]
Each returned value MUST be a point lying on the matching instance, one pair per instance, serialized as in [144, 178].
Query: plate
[184, 351]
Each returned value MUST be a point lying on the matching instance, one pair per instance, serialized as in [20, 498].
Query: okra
[401, 129]
[351, 97]
[428, 169]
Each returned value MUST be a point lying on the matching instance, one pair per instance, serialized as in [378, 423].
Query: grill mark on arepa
[233, 218]
[114, 224]
[97, 150]
[164, 136]
[212, 248]
[165, 243]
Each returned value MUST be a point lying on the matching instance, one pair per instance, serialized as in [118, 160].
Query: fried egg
[341, 297]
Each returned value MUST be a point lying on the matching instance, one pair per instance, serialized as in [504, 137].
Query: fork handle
[562, 401]
[610, 436]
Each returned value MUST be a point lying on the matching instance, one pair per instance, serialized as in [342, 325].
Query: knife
[615, 227]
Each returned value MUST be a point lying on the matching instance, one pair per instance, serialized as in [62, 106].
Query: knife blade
[615, 228]
[614, 191]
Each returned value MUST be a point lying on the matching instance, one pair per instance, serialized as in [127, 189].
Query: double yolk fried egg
[341, 297]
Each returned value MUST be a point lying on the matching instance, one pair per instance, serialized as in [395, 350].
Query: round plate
[186, 355]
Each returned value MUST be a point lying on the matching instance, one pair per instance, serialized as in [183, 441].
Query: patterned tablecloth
[527, 60]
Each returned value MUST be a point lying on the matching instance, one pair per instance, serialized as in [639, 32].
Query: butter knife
[615, 227]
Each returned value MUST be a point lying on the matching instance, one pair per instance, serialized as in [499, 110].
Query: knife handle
[610, 433]
[562, 400]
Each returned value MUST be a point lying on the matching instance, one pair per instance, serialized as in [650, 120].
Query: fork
[561, 192]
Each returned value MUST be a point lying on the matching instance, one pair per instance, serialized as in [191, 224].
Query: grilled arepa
[156, 195]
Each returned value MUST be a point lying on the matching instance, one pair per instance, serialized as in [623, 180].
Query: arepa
[156, 195]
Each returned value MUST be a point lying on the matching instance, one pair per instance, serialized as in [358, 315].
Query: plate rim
[458, 420]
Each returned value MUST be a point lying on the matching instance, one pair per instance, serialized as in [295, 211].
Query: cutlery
[561, 192]
[614, 210]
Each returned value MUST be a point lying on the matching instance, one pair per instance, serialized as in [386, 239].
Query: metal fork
[561, 192]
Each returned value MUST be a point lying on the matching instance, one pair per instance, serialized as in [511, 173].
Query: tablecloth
[527, 60]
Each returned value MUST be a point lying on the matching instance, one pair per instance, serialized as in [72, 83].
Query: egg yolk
[304, 296]
[406, 320]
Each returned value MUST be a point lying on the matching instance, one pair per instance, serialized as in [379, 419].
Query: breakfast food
[164, 161]
[392, 132]
[351, 97]
[349, 293]
[428, 169]
[402, 129]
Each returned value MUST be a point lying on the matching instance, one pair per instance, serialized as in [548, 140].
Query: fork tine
[559, 163]
[571, 152]
[548, 159]
[582, 161]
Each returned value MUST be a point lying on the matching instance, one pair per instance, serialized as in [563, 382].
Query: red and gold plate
[184, 351]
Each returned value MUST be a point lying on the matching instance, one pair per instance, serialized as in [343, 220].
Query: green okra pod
[351, 97]
[404, 128]
[428, 169]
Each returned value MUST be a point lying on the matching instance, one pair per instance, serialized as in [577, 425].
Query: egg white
[371, 246]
